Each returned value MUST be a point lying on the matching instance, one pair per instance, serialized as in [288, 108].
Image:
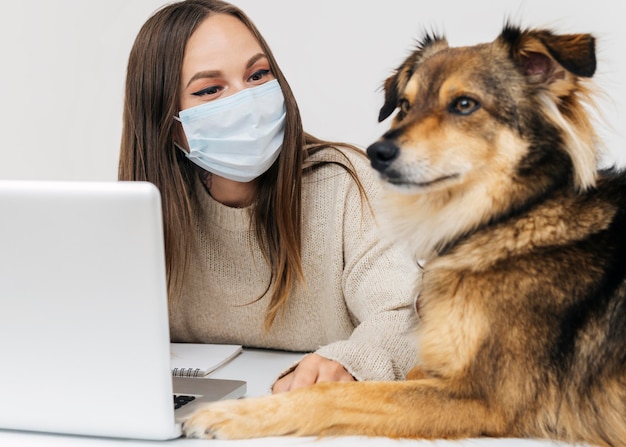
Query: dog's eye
[404, 105]
[464, 106]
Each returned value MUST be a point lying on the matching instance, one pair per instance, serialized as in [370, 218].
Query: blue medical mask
[238, 137]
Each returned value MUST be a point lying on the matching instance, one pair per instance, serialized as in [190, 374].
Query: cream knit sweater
[358, 303]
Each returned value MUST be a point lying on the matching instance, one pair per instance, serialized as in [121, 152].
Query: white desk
[259, 368]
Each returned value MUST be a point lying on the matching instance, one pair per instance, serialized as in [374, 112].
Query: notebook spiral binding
[186, 372]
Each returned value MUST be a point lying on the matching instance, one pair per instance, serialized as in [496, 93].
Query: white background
[63, 62]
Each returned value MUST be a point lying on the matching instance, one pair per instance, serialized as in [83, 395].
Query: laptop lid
[84, 330]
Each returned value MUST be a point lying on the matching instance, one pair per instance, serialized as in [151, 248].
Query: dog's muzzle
[382, 154]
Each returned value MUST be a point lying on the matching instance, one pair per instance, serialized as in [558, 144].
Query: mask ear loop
[182, 149]
[205, 176]
[176, 145]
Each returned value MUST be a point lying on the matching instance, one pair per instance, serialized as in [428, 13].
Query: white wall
[62, 67]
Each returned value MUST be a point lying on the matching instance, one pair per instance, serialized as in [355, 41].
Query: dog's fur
[490, 164]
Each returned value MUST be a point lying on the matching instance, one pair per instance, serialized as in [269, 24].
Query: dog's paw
[220, 420]
[233, 419]
[302, 412]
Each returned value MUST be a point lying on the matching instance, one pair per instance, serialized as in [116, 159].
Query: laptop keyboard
[180, 400]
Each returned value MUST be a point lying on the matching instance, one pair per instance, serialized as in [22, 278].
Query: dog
[490, 167]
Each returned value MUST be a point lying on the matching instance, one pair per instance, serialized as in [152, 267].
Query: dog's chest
[455, 320]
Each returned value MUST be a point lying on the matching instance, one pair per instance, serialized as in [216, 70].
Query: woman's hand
[312, 369]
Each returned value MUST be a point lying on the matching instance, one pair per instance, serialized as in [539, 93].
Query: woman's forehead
[219, 39]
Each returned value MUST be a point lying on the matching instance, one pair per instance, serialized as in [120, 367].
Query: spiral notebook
[199, 359]
[84, 331]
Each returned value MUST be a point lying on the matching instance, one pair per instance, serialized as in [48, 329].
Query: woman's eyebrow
[255, 58]
[216, 73]
[205, 74]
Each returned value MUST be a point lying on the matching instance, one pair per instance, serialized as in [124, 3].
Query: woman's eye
[259, 75]
[464, 106]
[207, 91]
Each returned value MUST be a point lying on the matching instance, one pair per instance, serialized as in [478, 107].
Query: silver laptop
[84, 335]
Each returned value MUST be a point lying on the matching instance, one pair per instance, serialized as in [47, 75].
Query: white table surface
[259, 368]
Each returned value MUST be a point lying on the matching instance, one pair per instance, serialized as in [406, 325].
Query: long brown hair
[148, 153]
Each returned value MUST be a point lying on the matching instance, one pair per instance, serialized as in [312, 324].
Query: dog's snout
[382, 153]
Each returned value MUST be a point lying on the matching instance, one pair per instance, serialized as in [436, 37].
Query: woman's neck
[229, 192]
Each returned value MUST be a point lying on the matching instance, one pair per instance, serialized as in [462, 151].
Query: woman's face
[222, 57]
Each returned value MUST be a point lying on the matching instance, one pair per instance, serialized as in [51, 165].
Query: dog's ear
[558, 64]
[391, 96]
[396, 83]
[546, 57]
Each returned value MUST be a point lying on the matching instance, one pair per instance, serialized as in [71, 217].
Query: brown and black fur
[490, 164]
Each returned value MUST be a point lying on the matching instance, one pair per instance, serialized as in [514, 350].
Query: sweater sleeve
[380, 285]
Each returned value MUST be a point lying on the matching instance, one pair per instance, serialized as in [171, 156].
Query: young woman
[271, 240]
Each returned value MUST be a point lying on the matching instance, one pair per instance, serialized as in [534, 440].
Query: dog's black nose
[382, 153]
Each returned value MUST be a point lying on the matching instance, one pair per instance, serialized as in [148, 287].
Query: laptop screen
[83, 318]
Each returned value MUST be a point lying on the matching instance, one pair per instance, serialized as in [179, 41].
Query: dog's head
[489, 125]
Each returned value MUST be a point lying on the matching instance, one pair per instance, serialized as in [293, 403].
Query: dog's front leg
[412, 409]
